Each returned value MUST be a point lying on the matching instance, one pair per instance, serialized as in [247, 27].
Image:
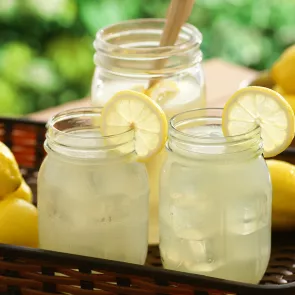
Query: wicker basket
[37, 272]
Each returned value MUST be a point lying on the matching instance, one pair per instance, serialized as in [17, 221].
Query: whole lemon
[290, 98]
[10, 176]
[283, 70]
[18, 223]
[23, 192]
[283, 203]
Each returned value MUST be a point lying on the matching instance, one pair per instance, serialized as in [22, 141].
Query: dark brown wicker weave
[37, 272]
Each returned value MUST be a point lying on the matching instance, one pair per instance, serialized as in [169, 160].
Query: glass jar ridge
[131, 48]
[76, 133]
[187, 133]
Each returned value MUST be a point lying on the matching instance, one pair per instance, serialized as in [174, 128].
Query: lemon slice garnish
[134, 110]
[138, 88]
[254, 105]
[163, 90]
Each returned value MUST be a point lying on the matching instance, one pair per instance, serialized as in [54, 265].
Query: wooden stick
[177, 14]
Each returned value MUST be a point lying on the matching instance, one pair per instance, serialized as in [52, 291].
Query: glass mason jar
[92, 200]
[215, 200]
[128, 57]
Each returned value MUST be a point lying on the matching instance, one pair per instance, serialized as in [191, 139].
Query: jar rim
[195, 138]
[74, 113]
[101, 43]
[76, 133]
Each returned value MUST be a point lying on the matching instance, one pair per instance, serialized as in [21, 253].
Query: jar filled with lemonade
[215, 200]
[92, 199]
[127, 58]
[216, 192]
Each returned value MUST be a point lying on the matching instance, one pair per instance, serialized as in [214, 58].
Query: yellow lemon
[18, 223]
[290, 98]
[254, 105]
[23, 192]
[279, 89]
[283, 185]
[162, 90]
[10, 176]
[138, 88]
[283, 70]
[135, 112]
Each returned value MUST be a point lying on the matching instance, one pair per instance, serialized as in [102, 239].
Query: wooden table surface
[222, 79]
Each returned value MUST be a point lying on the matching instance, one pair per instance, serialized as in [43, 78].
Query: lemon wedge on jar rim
[254, 105]
[163, 90]
[132, 110]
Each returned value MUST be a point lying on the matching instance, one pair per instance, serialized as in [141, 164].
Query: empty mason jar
[215, 200]
[92, 199]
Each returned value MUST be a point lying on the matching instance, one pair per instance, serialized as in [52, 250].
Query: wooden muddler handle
[178, 13]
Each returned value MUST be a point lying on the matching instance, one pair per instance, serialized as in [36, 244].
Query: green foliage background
[46, 53]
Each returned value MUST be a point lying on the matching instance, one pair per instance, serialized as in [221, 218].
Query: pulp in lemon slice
[163, 90]
[254, 105]
[130, 110]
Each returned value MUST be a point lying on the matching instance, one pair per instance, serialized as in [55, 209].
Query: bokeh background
[46, 53]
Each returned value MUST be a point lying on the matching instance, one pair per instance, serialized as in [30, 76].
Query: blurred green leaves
[8, 99]
[73, 57]
[8, 9]
[250, 33]
[61, 11]
[40, 76]
[46, 53]
[14, 57]
[99, 13]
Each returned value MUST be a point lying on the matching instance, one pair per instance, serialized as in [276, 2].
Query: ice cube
[253, 246]
[201, 255]
[247, 214]
[111, 208]
[171, 258]
[202, 267]
[194, 215]
[170, 252]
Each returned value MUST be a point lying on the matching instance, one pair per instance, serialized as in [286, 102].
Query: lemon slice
[134, 110]
[138, 88]
[254, 105]
[163, 90]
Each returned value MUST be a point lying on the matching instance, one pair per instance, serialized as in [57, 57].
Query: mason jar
[92, 198]
[215, 200]
[128, 56]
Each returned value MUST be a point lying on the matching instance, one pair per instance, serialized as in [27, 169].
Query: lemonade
[215, 200]
[190, 96]
[126, 55]
[92, 200]
[216, 192]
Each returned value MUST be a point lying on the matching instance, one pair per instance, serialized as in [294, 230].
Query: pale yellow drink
[126, 57]
[92, 201]
[215, 201]
[190, 96]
